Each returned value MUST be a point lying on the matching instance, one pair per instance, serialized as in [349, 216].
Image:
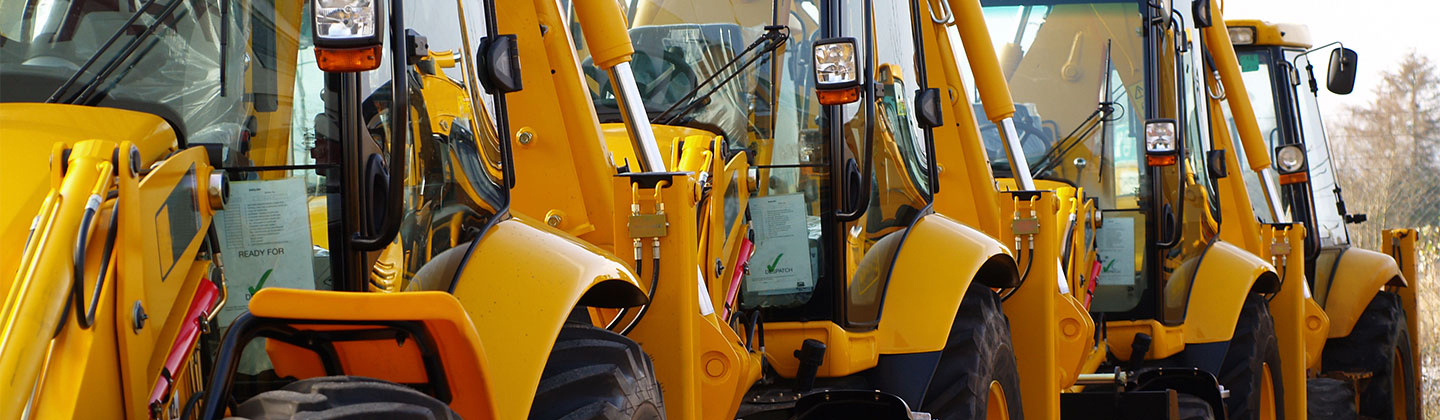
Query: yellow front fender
[935, 265]
[1356, 278]
[1227, 274]
[519, 284]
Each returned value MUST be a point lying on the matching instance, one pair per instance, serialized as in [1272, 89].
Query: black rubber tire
[1194, 408]
[597, 374]
[1330, 399]
[1371, 346]
[977, 352]
[1252, 346]
[343, 397]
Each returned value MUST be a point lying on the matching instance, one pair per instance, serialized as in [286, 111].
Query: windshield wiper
[88, 89]
[774, 37]
[1104, 108]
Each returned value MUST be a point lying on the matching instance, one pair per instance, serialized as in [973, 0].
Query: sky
[1380, 32]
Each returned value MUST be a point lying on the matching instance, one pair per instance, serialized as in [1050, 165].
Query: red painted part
[1094, 278]
[746, 248]
[205, 297]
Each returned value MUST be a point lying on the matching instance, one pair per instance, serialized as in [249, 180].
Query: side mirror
[346, 35]
[499, 64]
[837, 71]
[927, 108]
[1200, 11]
[1341, 79]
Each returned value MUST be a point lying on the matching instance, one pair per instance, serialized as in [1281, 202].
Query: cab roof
[1274, 34]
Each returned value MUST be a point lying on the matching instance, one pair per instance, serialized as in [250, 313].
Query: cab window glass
[1330, 223]
[686, 53]
[1256, 71]
[1077, 73]
[453, 173]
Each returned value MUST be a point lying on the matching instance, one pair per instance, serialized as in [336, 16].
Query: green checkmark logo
[261, 283]
[771, 268]
[1108, 265]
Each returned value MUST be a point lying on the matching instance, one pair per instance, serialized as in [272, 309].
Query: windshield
[1323, 184]
[179, 71]
[1076, 71]
[1256, 70]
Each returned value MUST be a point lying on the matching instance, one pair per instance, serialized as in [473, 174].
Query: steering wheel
[669, 77]
[1032, 140]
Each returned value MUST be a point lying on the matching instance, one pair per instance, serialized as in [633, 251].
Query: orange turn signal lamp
[838, 96]
[348, 60]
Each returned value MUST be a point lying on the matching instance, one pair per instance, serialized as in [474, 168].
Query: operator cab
[745, 72]
[1276, 64]
[1082, 75]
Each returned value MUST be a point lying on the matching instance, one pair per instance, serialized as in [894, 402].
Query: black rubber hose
[86, 317]
[654, 283]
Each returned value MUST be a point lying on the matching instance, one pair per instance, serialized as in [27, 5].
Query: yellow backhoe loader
[1367, 299]
[1119, 112]
[353, 150]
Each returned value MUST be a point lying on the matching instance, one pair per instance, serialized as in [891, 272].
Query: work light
[1289, 158]
[1290, 163]
[1160, 142]
[347, 34]
[1242, 35]
[837, 71]
[346, 21]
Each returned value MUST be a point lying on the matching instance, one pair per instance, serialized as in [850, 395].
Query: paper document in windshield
[1117, 251]
[781, 263]
[265, 240]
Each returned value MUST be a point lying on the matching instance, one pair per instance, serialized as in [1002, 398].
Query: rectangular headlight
[1242, 35]
[836, 66]
[340, 22]
[1160, 137]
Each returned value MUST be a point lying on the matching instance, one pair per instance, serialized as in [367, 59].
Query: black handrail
[868, 102]
[399, 123]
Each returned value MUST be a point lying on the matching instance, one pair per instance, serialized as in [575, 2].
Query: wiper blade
[1104, 108]
[772, 39]
[88, 89]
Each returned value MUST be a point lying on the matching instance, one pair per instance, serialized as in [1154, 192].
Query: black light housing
[1200, 11]
[927, 108]
[1289, 159]
[499, 64]
[1290, 163]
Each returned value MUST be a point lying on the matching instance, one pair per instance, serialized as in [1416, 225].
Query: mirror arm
[399, 123]
[1309, 64]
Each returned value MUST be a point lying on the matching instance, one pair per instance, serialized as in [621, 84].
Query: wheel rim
[1267, 394]
[996, 408]
[1398, 391]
